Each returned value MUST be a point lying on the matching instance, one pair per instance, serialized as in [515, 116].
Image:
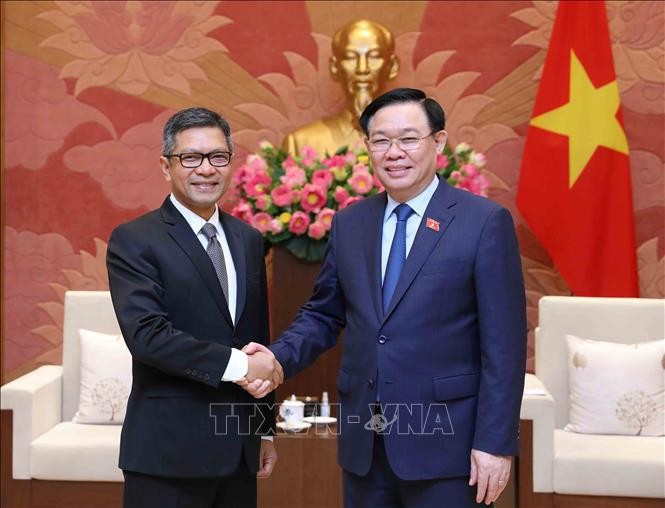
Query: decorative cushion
[106, 378]
[616, 388]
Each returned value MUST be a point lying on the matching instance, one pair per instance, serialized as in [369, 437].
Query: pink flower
[470, 170]
[299, 222]
[257, 184]
[261, 221]
[325, 217]
[377, 183]
[243, 211]
[295, 195]
[316, 230]
[322, 178]
[478, 159]
[360, 167]
[337, 160]
[289, 162]
[253, 190]
[441, 160]
[478, 185]
[313, 198]
[242, 174]
[281, 195]
[350, 201]
[308, 155]
[257, 163]
[341, 195]
[456, 175]
[293, 176]
[263, 202]
[361, 182]
[276, 226]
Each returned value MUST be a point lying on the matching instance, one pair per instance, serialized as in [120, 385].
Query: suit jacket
[178, 328]
[448, 356]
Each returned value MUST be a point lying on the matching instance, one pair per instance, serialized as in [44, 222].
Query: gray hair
[190, 118]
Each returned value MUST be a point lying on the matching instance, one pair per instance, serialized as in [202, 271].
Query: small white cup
[292, 411]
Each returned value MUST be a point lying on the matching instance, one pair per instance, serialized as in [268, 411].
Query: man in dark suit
[188, 284]
[427, 282]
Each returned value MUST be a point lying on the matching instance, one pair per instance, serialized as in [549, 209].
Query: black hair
[190, 118]
[435, 115]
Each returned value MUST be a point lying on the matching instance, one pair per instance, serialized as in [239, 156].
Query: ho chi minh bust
[363, 60]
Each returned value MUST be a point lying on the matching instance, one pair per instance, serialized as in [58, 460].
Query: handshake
[264, 373]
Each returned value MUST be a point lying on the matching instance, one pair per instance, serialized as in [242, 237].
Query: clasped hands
[264, 373]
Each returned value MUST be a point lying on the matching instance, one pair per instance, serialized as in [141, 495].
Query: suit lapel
[234, 239]
[439, 209]
[183, 235]
[372, 232]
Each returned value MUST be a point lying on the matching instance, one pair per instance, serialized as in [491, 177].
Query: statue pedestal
[292, 285]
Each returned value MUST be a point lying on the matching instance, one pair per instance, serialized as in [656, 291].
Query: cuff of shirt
[237, 367]
[268, 438]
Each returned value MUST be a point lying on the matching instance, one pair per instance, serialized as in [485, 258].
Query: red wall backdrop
[88, 86]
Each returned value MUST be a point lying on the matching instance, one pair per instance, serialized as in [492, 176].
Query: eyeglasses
[192, 160]
[406, 143]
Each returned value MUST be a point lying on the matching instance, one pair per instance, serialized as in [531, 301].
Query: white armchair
[568, 466]
[45, 444]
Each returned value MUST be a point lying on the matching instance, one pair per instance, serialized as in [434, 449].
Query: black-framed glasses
[191, 160]
[405, 143]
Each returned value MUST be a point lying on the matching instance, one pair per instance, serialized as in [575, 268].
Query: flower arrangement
[292, 200]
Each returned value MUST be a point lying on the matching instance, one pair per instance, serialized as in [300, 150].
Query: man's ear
[394, 67]
[165, 166]
[440, 138]
[334, 68]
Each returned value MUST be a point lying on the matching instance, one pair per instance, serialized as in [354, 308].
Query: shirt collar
[418, 203]
[196, 222]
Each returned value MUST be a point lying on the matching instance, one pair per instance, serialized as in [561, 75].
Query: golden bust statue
[362, 61]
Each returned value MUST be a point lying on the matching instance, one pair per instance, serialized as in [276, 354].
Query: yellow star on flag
[588, 119]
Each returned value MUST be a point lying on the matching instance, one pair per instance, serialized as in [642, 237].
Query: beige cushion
[88, 310]
[106, 378]
[621, 320]
[616, 388]
[75, 452]
[609, 465]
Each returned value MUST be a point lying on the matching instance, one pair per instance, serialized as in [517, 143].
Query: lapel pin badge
[432, 224]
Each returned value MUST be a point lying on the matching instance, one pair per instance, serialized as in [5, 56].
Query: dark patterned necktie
[397, 254]
[216, 254]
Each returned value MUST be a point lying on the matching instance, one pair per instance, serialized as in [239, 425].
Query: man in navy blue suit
[426, 281]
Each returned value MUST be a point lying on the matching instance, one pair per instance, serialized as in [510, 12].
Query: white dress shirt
[237, 366]
[419, 205]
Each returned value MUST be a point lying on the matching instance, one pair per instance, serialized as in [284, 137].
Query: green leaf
[304, 247]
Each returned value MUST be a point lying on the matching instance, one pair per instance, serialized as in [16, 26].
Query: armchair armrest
[538, 405]
[36, 402]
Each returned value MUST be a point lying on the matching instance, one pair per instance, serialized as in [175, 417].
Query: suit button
[188, 371]
[370, 383]
[195, 372]
[382, 339]
[207, 376]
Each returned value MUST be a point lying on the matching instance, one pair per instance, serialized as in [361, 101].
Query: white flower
[461, 148]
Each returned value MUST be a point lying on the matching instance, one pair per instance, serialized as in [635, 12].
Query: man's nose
[394, 151]
[206, 168]
[363, 65]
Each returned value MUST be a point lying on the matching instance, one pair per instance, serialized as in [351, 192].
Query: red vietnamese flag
[574, 188]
